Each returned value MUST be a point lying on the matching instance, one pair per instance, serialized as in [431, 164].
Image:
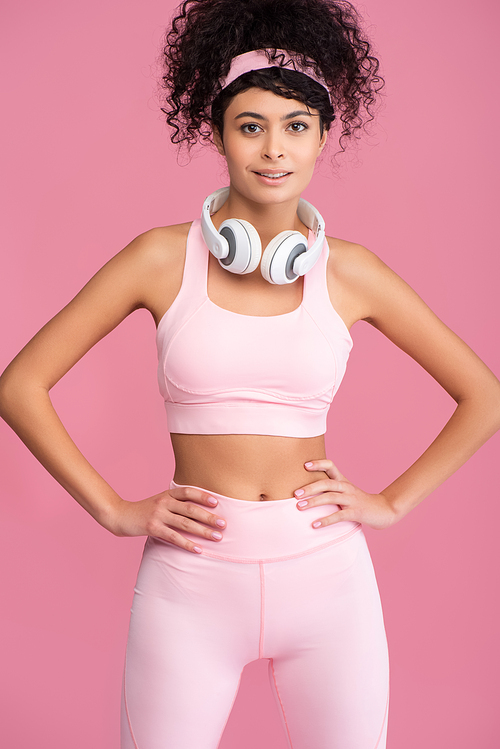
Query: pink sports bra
[221, 372]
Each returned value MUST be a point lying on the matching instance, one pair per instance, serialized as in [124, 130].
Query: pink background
[87, 166]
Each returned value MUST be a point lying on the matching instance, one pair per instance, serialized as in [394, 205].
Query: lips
[273, 175]
[273, 178]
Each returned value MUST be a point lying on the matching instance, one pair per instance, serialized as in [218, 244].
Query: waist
[246, 466]
[266, 531]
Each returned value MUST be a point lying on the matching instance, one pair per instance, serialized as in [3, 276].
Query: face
[267, 135]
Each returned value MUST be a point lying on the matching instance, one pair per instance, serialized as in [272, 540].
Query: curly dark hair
[206, 35]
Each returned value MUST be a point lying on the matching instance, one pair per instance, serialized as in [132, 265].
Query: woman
[249, 362]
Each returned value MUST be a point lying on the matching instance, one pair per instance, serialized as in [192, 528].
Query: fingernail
[220, 523]
[299, 492]
[197, 549]
[317, 524]
[308, 465]
[212, 500]
[303, 503]
[217, 535]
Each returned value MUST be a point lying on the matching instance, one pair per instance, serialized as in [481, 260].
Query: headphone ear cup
[279, 257]
[245, 248]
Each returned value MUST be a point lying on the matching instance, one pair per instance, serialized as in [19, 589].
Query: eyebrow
[257, 116]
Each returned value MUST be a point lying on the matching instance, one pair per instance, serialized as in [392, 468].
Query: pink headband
[257, 59]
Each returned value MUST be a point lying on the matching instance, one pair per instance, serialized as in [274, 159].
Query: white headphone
[238, 248]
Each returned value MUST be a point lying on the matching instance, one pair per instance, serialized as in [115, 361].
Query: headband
[257, 59]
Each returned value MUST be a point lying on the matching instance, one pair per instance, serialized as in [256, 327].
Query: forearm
[29, 411]
[472, 423]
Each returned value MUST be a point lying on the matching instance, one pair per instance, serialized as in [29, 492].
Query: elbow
[7, 395]
[496, 411]
[494, 403]
[480, 399]
[488, 405]
[4, 392]
[15, 393]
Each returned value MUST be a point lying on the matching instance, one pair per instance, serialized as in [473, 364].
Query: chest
[251, 294]
[216, 349]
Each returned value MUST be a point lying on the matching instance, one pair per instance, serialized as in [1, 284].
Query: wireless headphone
[238, 248]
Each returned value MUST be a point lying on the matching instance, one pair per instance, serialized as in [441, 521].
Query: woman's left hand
[373, 510]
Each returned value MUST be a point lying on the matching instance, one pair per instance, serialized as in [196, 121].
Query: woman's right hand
[160, 516]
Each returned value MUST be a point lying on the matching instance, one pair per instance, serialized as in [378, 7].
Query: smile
[273, 176]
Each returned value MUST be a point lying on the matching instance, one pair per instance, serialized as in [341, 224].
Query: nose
[273, 147]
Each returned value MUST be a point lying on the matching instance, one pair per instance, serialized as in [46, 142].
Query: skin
[148, 273]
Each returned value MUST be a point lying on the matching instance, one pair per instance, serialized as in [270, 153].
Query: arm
[138, 276]
[372, 292]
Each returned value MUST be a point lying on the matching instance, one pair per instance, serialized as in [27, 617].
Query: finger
[168, 534]
[319, 487]
[337, 517]
[190, 510]
[189, 524]
[327, 466]
[186, 495]
[166, 524]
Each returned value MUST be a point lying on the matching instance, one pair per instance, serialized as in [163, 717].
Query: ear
[323, 140]
[216, 137]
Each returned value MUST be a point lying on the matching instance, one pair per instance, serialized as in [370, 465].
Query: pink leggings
[306, 599]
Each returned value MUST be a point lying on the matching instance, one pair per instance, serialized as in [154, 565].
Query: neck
[269, 219]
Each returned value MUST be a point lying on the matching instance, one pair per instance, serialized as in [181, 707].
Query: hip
[268, 531]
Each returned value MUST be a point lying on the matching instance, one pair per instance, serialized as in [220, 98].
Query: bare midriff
[253, 467]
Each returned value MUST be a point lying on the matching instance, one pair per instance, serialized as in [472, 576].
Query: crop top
[221, 372]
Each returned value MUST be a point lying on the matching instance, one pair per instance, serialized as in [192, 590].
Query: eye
[298, 127]
[251, 125]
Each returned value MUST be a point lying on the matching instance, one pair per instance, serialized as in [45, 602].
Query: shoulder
[160, 246]
[353, 274]
[148, 271]
[370, 289]
[351, 262]
[156, 258]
